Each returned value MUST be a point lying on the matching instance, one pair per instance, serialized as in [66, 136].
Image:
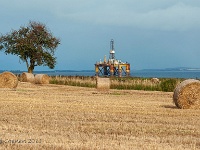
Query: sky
[149, 34]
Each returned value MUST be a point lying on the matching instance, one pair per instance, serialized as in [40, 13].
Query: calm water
[137, 73]
[167, 74]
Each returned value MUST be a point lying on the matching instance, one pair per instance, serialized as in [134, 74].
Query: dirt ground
[67, 117]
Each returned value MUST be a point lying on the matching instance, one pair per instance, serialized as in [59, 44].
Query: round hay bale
[187, 94]
[8, 80]
[41, 79]
[27, 77]
[103, 83]
[155, 80]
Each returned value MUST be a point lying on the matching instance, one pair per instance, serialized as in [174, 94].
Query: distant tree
[34, 45]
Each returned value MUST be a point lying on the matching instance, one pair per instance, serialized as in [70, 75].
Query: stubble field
[67, 117]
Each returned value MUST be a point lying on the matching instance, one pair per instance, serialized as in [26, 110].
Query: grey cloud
[168, 16]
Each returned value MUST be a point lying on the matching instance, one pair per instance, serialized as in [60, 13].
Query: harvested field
[68, 117]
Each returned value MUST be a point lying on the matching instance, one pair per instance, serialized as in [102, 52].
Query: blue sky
[148, 34]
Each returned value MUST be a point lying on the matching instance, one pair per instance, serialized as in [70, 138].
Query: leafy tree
[34, 44]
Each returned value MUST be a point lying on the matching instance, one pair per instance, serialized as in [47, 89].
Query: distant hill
[174, 69]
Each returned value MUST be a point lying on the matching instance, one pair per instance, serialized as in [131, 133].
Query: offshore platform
[112, 67]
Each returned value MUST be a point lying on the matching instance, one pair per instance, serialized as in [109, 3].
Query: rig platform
[112, 67]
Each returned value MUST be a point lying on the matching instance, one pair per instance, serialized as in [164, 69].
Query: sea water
[166, 74]
[135, 73]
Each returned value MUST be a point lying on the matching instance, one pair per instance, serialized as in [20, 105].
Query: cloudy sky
[149, 34]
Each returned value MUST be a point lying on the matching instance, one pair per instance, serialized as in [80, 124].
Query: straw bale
[155, 80]
[103, 83]
[27, 77]
[187, 94]
[41, 79]
[8, 80]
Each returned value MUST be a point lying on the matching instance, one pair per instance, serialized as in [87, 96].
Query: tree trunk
[30, 69]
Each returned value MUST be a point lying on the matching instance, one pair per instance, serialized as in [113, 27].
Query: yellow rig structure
[112, 67]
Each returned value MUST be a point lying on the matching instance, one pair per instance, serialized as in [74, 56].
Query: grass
[82, 81]
[129, 83]
[69, 117]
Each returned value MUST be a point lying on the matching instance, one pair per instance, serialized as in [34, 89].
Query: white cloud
[154, 14]
[171, 16]
[177, 17]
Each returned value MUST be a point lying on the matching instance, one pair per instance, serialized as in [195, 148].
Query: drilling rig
[112, 67]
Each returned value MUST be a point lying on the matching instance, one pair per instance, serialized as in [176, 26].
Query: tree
[35, 45]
